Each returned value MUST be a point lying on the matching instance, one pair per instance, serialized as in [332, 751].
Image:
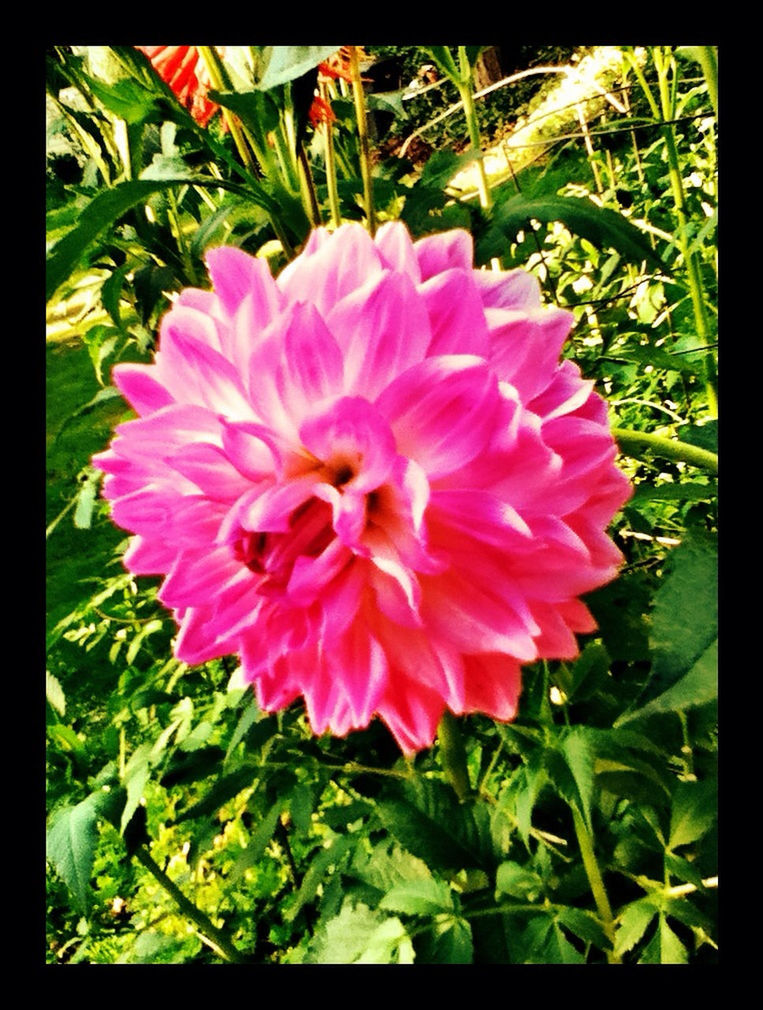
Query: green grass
[73, 555]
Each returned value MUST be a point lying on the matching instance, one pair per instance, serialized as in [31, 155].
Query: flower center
[273, 555]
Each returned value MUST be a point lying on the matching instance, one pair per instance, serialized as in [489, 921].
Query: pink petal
[456, 314]
[382, 328]
[141, 387]
[396, 250]
[343, 262]
[235, 274]
[442, 411]
[444, 251]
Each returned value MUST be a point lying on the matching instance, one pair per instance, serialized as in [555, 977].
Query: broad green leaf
[603, 227]
[656, 356]
[126, 98]
[698, 686]
[430, 822]
[632, 924]
[136, 775]
[545, 943]
[688, 491]
[301, 806]
[419, 897]
[579, 751]
[388, 944]
[102, 211]
[443, 58]
[664, 947]
[681, 868]
[583, 924]
[86, 500]
[343, 938]
[514, 879]
[386, 866]
[694, 811]
[55, 693]
[683, 637]
[71, 840]
[112, 289]
[449, 941]
[249, 716]
[285, 63]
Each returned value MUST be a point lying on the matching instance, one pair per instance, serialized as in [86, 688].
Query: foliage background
[185, 826]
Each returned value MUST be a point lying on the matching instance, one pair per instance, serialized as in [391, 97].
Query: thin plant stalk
[219, 79]
[217, 76]
[216, 937]
[365, 161]
[585, 842]
[308, 187]
[328, 136]
[636, 443]
[662, 112]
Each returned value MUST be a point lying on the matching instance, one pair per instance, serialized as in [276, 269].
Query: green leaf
[449, 941]
[388, 944]
[430, 822]
[578, 749]
[583, 924]
[259, 840]
[310, 882]
[286, 63]
[514, 879]
[54, 693]
[684, 634]
[102, 211]
[85, 501]
[224, 789]
[111, 290]
[689, 491]
[443, 58]
[126, 99]
[301, 806]
[665, 947]
[136, 775]
[343, 939]
[71, 840]
[419, 897]
[694, 811]
[632, 924]
[601, 226]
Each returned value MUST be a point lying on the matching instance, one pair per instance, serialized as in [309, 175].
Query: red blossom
[182, 68]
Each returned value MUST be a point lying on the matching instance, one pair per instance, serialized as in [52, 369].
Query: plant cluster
[188, 825]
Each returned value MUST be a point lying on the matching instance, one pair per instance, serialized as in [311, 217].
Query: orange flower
[182, 68]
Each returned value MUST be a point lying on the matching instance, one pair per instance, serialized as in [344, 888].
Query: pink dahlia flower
[372, 478]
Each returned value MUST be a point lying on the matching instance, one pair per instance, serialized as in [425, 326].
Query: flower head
[182, 68]
[371, 477]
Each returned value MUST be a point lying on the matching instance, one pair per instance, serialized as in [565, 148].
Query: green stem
[635, 443]
[365, 161]
[662, 63]
[218, 77]
[215, 936]
[593, 873]
[333, 192]
[306, 180]
[708, 60]
[464, 84]
[453, 755]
